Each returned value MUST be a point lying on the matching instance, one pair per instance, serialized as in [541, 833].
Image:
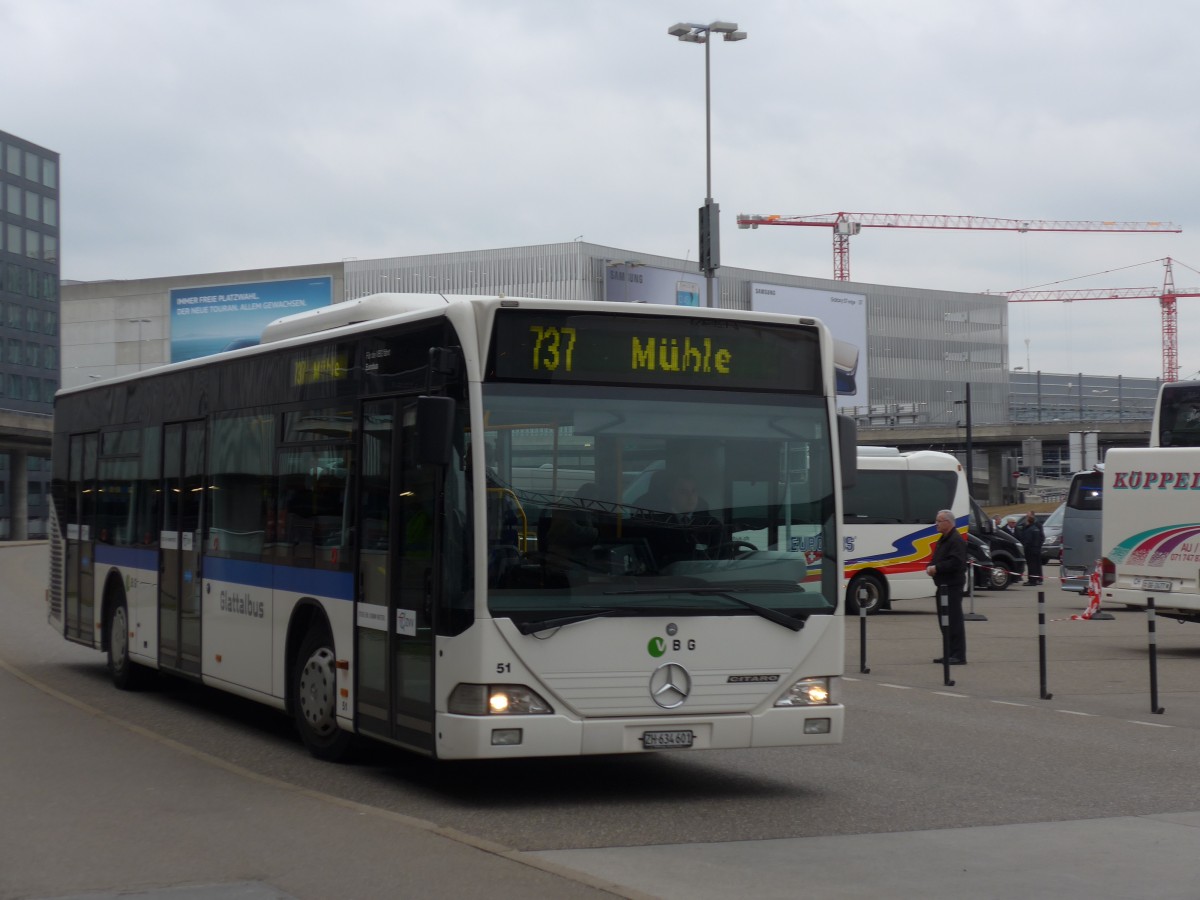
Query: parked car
[1052, 528]
[1008, 556]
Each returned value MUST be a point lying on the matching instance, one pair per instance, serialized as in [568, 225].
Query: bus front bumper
[483, 737]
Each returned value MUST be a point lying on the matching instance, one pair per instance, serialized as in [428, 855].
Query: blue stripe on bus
[128, 557]
[317, 582]
[252, 574]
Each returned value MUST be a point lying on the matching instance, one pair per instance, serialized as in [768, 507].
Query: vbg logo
[657, 647]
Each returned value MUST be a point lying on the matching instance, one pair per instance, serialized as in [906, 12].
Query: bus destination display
[532, 345]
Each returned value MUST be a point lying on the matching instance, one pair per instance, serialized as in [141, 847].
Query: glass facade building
[29, 309]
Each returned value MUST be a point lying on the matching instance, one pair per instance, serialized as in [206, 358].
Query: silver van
[1081, 544]
[1052, 530]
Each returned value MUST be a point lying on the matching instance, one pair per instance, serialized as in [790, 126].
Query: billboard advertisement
[213, 318]
[844, 314]
[627, 282]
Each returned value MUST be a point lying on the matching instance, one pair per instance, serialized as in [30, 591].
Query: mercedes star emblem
[670, 685]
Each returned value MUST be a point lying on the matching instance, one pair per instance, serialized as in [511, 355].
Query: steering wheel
[734, 550]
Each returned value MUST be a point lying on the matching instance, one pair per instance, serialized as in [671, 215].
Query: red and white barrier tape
[1093, 590]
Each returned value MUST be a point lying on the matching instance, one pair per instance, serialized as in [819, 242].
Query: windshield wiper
[771, 615]
[548, 624]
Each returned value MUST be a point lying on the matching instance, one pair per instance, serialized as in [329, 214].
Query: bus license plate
[665, 740]
[1151, 584]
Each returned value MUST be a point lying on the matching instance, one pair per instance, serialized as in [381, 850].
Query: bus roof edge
[348, 312]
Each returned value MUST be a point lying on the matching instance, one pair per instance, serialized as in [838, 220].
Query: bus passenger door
[79, 614]
[179, 573]
[394, 628]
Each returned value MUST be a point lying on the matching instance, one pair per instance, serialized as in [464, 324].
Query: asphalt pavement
[1095, 668]
[97, 807]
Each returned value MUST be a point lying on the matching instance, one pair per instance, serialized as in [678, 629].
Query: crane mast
[1166, 298]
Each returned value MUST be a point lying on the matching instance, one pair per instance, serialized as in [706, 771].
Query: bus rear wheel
[866, 593]
[314, 697]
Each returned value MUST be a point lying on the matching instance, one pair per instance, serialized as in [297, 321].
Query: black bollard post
[1046, 695]
[1154, 707]
[862, 640]
[944, 622]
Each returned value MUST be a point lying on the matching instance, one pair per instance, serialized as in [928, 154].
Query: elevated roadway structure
[22, 434]
[999, 441]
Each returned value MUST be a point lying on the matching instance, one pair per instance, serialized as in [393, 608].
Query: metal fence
[1075, 397]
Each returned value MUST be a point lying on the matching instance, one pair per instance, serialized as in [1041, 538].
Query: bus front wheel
[314, 697]
[866, 593]
[125, 674]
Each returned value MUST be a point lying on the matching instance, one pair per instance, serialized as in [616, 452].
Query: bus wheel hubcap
[119, 637]
[317, 689]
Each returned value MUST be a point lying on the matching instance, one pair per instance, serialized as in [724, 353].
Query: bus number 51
[552, 348]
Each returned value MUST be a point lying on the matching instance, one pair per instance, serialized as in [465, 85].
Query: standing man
[948, 569]
[1032, 537]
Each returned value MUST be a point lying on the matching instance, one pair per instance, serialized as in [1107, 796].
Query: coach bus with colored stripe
[889, 516]
[1151, 515]
[406, 517]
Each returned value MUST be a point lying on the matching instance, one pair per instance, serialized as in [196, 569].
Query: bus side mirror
[848, 450]
[435, 430]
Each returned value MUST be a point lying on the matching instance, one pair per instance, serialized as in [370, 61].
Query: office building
[29, 308]
[903, 354]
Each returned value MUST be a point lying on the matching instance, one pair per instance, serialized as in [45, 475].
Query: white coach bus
[1151, 515]
[889, 517]
[405, 517]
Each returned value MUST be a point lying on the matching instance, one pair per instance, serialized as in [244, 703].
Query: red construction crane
[847, 224]
[1166, 298]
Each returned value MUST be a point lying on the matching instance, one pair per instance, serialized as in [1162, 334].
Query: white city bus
[889, 517]
[1151, 519]
[373, 521]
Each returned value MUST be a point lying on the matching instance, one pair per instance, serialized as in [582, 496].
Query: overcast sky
[208, 135]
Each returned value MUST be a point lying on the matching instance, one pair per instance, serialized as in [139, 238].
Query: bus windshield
[1177, 418]
[1087, 491]
[608, 501]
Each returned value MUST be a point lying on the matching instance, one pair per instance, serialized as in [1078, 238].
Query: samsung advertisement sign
[634, 283]
[215, 318]
[844, 314]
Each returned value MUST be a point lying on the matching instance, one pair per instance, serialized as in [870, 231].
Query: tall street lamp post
[710, 228]
[971, 615]
[966, 404]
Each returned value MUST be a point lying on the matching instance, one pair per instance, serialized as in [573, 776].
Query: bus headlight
[806, 692]
[497, 700]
